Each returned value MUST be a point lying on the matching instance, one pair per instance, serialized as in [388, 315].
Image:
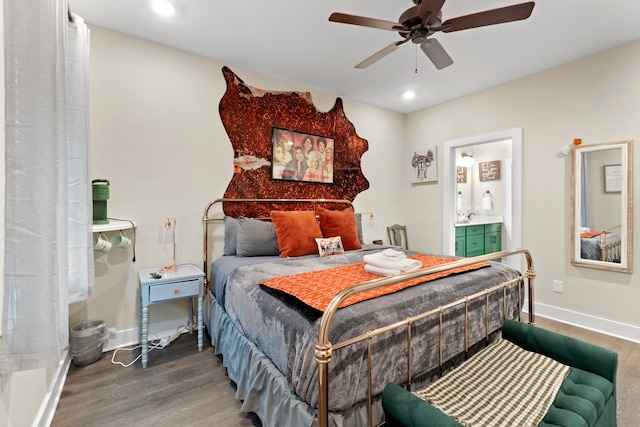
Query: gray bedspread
[590, 247]
[286, 331]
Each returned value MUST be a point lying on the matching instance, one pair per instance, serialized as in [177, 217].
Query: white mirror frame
[626, 209]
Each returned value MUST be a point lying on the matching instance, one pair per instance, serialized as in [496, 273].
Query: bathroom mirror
[602, 206]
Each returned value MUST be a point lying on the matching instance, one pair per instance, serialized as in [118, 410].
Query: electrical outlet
[558, 286]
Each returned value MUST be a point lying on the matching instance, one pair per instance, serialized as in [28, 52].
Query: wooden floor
[184, 387]
[179, 387]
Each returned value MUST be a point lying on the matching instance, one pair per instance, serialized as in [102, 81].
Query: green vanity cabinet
[474, 240]
[461, 248]
[492, 238]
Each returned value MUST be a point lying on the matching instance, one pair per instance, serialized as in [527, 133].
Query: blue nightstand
[187, 281]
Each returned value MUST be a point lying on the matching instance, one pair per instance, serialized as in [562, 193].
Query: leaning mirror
[602, 206]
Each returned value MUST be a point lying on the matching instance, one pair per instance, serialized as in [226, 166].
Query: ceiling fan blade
[436, 53]
[381, 54]
[344, 18]
[516, 12]
[429, 8]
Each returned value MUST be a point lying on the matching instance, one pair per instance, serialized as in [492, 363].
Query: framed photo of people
[299, 156]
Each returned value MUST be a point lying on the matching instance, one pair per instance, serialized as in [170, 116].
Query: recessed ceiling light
[409, 94]
[163, 7]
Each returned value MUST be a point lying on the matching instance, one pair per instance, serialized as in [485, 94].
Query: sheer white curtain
[48, 257]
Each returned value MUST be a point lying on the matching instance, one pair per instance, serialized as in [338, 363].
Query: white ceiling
[293, 40]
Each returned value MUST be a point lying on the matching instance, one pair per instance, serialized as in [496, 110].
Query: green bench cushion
[586, 397]
[580, 401]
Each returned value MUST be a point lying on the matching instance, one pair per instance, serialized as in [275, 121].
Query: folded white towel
[393, 254]
[402, 265]
[380, 271]
[387, 271]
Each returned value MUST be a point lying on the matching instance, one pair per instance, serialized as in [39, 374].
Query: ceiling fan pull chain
[416, 58]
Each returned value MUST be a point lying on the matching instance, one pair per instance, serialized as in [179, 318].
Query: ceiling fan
[419, 22]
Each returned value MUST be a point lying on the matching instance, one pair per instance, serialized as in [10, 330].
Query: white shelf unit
[113, 225]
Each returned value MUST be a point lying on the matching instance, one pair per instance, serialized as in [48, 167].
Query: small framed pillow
[340, 223]
[296, 232]
[330, 246]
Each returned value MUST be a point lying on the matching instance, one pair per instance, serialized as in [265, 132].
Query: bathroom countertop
[480, 220]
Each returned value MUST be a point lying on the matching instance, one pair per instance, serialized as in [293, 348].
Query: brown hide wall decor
[248, 115]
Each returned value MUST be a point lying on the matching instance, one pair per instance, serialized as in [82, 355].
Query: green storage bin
[100, 195]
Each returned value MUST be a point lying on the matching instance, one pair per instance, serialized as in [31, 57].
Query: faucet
[470, 215]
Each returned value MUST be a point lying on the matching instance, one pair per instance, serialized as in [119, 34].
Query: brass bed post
[531, 275]
[205, 241]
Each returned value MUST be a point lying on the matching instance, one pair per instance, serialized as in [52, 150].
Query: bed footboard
[324, 348]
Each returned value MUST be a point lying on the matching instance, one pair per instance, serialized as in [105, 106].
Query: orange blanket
[317, 288]
[591, 234]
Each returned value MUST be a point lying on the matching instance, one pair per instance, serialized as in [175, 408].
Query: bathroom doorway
[511, 174]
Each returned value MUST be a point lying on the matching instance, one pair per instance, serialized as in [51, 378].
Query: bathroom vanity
[478, 236]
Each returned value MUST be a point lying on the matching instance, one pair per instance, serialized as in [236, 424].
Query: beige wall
[596, 99]
[157, 137]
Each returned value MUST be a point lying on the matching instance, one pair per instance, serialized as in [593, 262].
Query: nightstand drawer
[174, 290]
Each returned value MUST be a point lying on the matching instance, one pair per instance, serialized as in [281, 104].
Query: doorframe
[513, 214]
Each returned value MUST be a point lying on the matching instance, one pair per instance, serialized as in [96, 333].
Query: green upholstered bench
[586, 398]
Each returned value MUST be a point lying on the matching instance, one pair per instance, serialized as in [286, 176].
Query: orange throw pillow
[340, 223]
[296, 232]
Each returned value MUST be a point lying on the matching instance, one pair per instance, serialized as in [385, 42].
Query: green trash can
[100, 192]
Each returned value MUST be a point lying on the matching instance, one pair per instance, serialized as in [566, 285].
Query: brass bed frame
[324, 348]
[609, 251]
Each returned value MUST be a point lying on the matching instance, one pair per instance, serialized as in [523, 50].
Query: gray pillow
[230, 235]
[256, 238]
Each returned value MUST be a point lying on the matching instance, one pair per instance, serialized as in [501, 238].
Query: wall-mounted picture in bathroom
[298, 156]
[461, 174]
[489, 171]
[424, 165]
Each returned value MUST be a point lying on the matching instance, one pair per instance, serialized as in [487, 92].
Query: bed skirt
[260, 385]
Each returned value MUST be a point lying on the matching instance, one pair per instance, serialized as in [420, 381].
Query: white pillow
[330, 246]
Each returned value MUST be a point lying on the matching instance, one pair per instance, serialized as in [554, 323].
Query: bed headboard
[216, 210]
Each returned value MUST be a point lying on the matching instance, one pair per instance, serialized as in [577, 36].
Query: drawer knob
[176, 291]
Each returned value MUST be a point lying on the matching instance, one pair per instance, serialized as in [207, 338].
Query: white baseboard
[51, 399]
[587, 321]
[131, 337]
